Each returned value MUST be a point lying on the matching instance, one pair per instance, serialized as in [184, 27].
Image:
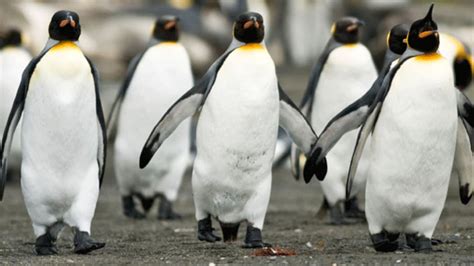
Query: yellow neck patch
[252, 46]
[429, 57]
[65, 45]
[350, 45]
[167, 43]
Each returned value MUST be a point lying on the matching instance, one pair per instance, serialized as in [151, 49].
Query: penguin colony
[413, 148]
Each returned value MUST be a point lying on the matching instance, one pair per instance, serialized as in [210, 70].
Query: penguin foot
[205, 231]
[45, 245]
[385, 241]
[230, 231]
[435, 242]
[84, 244]
[336, 217]
[253, 238]
[129, 209]
[147, 203]
[419, 243]
[165, 211]
[352, 210]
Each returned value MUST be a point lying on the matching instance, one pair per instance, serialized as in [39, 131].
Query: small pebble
[212, 264]
[308, 244]
[69, 261]
[298, 230]
[398, 261]
[273, 257]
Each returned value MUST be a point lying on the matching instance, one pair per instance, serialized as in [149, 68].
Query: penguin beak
[67, 21]
[251, 23]
[427, 33]
[170, 25]
[355, 26]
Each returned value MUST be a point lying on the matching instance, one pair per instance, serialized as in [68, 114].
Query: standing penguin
[14, 59]
[156, 79]
[418, 132]
[241, 107]
[459, 55]
[343, 73]
[63, 138]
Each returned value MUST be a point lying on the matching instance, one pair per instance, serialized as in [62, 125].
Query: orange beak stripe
[63, 23]
[170, 25]
[425, 34]
[248, 24]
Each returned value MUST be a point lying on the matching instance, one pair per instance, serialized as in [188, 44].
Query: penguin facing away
[63, 138]
[241, 107]
[164, 62]
[14, 59]
[414, 146]
[459, 54]
[343, 73]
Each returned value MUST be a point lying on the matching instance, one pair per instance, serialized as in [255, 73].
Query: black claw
[129, 209]
[419, 243]
[436, 242]
[253, 238]
[45, 245]
[84, 244]
[147, 203]
[464, 194]
[385, 241]
[205, 231]
[165, 211]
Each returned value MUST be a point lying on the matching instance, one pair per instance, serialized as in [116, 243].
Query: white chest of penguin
[238, 124]
[346, 76]
[60, 127]
[415, 135]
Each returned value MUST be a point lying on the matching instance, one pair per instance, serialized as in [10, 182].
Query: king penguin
[63, 138]
[241, 106]
[157, 77]
[459, 55]
[14, 59]
[415, 147]
[344, 72]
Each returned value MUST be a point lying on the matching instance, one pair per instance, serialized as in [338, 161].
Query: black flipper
[355, 115]
[115, 111]
[367, 128]
[300, 131]
[308, 97]
[102, 147]
[16, 112]
[183, 108]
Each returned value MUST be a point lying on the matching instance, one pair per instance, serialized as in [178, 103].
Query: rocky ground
[290, 223]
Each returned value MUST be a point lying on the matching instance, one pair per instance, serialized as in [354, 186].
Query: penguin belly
[347, 75]
[236, 137]
[13, 61]
[60, 142]
[413, 149]
[162, 76]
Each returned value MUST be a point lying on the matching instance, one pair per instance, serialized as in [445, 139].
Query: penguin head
[64, 26]
[249, 28]
[396, 39]
[423, 35]
[166, 28]
[12, 38]
[346, 30]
